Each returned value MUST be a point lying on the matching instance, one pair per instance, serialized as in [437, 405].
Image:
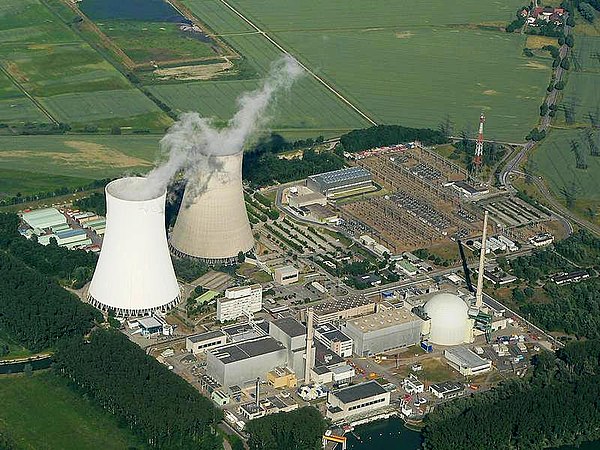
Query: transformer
[134, 275]
[212, 224]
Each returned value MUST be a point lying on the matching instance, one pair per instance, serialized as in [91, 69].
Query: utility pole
[478, 158]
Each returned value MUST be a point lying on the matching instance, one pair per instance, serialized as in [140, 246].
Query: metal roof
[466, 357]
[336, 176]
[206, 336]
[359, 391]
[248, 349]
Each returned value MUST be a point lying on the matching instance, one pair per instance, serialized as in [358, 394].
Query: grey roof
[341, 175]
[322, 352]
[341, 304]
[466, 357]
[290, 326]
[247, 349]
[336, 336]
[206, 336]
[447, 386]
[359, 391]
[320, 370]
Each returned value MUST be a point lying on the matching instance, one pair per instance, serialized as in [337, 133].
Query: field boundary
[314, 75]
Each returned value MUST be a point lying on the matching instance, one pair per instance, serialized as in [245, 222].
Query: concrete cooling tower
[212, 224]
[134, 275]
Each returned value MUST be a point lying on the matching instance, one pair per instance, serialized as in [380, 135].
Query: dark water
[18, 367]
[144, 10]
[392, 434]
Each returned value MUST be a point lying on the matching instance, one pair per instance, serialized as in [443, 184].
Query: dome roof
[450, 322]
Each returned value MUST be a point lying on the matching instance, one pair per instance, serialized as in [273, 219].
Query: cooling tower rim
[129, 189]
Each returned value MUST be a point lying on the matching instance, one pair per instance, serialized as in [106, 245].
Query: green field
[404, 68]
[41, 412]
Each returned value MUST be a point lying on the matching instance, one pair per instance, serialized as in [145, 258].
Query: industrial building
[243, 362]
[334, 339]
[447, 389]
[200, 343]
[239, 301]
[42, 219]
[281, 378]
[292, 334]
[383, 331]
[467, 362]
[449, 322]
[212, 224]
[134, 275]
[342, 309]
[286, 275]
[356, 399]
[340, 181]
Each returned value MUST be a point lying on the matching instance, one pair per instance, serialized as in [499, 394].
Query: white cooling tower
[134, 275]
[212, 224]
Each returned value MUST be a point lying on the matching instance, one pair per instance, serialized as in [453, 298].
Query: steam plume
[193, 142]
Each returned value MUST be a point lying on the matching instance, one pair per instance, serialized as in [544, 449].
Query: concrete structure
[339, 181]
[239, 301]
[384, 331]
[303, 199]
[342, 309]
[447, 389]
[220, 398]
[286, 275]
[243, 362]
[134, 275]
[334, 339]
[449, 322]
[467, 362]
[212, 224]
[201, 343]
[149, 326]
[357, 399]
[292, 334]
[281, 378]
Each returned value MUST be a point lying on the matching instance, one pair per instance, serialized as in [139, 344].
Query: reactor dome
[450, 323]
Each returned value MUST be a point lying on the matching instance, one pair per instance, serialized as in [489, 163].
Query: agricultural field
[441, 61]
[53, 64]
[14, 105]
[43, 412]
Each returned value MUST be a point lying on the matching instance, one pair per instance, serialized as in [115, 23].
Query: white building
[286, 275]
[449, 322]
[467, 362]
[239, 301]
[447, 389]
[356, 399]
[334, 339]
[200, 343]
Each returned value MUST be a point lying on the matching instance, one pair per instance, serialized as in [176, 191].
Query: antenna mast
[478, 159]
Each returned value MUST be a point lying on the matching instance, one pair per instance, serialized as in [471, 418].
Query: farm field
[443, 60]
[42, 412]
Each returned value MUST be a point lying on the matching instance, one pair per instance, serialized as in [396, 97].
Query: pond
[142, 10]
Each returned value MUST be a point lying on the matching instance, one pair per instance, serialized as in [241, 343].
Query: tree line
[557, 406]
[152, 401]
[382, 135]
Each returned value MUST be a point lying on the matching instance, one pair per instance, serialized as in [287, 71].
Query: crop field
[14, 106]
[42, 412]
[440, 61]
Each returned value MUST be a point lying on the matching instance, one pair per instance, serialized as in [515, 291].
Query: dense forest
[71, 267]
[154, 402]
[95, 202]
[381, 135]
[465, 149]
[557, 406]
[35, 310]
[301, 429]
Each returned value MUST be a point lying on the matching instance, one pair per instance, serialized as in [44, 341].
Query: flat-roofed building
[200, 343]
[383, 331]
[44, 218]
[286, 275]
[339, 181]
[447, 389]
[467, 362]
[292, 334]
[357, 399]
[342, 309]
[281, 378]
[242, 362]
[334, 339]
[239, 301]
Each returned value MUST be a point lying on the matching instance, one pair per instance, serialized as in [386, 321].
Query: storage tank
[212, 224]
[134, 275]
[450, 323]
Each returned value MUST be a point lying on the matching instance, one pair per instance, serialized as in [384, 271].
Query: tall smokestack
[212, 224]
[309, 344]
[257, 391]
[479, 295]
[134, 275]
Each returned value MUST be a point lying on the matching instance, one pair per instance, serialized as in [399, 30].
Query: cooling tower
[212, 224]
[134, 275]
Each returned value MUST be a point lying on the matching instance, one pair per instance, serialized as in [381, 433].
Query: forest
[154, 402]
[465, 149]
[557, 406]
[96, 202]
[381, 135]
[301, 429]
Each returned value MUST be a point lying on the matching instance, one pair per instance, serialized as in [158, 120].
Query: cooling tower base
[121, 312]
[228, 261]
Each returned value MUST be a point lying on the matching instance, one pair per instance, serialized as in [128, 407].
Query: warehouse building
[342, 309]
[467, 362]
[42, 219]
[242, 362]
[239, 301]
[383, 331]
[292, 334]
[334, 339]
[356, 399]
[340, 181]
[286, 275]
[200, 343]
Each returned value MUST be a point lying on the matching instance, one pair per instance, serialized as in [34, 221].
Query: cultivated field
[42, 412]
[404, 68]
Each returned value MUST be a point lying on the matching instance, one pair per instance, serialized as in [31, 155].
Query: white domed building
[449, 322]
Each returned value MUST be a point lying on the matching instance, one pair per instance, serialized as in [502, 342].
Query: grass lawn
[14, 350]
[42, 412]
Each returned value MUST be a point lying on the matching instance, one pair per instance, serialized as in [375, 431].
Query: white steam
[193, 142]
